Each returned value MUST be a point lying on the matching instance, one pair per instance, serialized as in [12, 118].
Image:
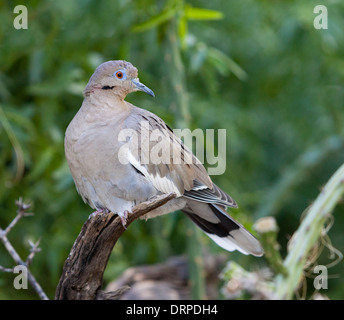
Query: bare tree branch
[34, 249]
[3, 269]
[21, 212]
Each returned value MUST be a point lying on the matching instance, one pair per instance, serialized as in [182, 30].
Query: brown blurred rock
[167, 281]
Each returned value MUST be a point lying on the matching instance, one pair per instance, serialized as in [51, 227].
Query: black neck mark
[108, 87]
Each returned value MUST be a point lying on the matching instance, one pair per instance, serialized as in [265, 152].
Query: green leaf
[225, 64]
[42, 163]
[202, 14]
[155, 21]
[182, 31]
[15, 144]
[198, 57]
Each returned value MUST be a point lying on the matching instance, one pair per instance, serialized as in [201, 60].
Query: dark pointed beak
[141, 87]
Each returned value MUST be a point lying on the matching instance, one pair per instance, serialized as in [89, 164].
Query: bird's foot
[98, 211]
[124, 217]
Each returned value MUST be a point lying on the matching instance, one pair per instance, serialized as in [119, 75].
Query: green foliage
[258, 69]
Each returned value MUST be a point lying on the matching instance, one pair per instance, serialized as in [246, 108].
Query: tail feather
[221, 228]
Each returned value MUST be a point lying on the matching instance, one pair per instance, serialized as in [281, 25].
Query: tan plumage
[114, 153]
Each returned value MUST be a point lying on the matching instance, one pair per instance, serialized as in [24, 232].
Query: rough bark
[82, 275]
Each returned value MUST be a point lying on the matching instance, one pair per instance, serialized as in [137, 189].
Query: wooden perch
[82, 275]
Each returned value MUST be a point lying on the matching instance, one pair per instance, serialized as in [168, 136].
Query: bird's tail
[221, 228]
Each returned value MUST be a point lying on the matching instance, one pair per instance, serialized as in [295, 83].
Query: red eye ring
[119, 74]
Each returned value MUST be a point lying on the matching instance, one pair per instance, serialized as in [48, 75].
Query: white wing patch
[163, 184]
[200, 187]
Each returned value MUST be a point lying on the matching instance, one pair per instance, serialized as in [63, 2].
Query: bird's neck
[104, 92]
[105, 103]
[99, 110]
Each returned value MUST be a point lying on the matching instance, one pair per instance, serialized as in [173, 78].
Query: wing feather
[170, 170]
[215, 195]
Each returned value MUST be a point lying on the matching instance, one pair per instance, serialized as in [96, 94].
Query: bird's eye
[120, 74]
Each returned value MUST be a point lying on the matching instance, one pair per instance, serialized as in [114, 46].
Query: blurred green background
[258, 69]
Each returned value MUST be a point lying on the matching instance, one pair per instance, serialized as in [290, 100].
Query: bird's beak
[141, 87]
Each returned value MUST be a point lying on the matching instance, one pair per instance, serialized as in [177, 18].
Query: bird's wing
[213, 195]
[158, 154]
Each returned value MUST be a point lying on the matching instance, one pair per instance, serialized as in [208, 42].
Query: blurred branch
[296, 173]
[180, 98]
[267, 229]
[82, 274]
[21, 212]
[177, 75]
[308, 233]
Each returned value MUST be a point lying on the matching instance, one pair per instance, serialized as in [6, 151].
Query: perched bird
[115, 164]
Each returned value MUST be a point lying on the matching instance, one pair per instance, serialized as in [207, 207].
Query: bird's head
[118, 76]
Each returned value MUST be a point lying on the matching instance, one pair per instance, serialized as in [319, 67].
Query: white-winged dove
[110, 154]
